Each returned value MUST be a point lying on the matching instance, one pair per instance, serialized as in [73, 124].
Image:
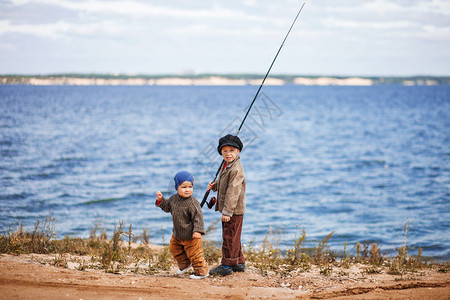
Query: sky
[331, 37]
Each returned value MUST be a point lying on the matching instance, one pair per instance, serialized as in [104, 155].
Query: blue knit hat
[181, 177]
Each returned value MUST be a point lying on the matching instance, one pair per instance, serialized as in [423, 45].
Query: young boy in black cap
[186, 242]
[230, 187]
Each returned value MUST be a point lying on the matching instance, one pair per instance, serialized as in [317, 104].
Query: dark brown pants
[188, 252]
[231, 244]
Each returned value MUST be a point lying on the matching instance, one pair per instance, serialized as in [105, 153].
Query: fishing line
[210, 205]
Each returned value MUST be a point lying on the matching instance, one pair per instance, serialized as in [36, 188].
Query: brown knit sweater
[187, 215]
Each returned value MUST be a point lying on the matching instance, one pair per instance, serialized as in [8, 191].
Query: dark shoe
[221, 271]
[239, 268]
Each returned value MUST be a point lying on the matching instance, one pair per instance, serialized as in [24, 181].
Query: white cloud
[142, 9]
[389, 20]
[130, 18]
[62, 29]
[204, 34]
[45, 30]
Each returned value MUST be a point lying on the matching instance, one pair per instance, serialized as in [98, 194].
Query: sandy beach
[34, 276]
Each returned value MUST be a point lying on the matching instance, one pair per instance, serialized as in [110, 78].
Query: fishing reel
[211, 202]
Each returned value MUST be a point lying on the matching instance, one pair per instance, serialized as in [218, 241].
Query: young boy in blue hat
[230, 187]
[186, 242]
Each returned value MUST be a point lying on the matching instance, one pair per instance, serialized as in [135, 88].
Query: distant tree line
[288, 79]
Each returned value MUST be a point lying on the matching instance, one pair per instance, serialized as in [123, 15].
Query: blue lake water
[359, 161]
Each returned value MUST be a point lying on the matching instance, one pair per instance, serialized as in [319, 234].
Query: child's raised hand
[159, 196]
[196, 235]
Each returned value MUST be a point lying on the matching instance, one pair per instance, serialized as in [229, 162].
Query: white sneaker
[179, 272]
[198, 276]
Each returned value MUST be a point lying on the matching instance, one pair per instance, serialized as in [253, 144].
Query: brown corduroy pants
[188, 252]
[231, 244]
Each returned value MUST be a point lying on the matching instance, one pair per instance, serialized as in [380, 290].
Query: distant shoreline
[216, 80]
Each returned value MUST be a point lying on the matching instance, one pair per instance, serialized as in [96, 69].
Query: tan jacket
[230, 187]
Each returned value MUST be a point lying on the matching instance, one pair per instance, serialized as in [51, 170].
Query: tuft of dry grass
[211, 250]
[19, 241]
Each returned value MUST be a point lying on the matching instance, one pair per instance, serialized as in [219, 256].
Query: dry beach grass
[36, 265]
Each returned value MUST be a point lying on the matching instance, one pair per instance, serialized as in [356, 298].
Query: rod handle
[205, 198]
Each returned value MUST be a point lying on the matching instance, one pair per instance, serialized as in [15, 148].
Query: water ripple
[359, 161]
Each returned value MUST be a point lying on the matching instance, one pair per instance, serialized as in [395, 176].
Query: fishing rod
[205, 197]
